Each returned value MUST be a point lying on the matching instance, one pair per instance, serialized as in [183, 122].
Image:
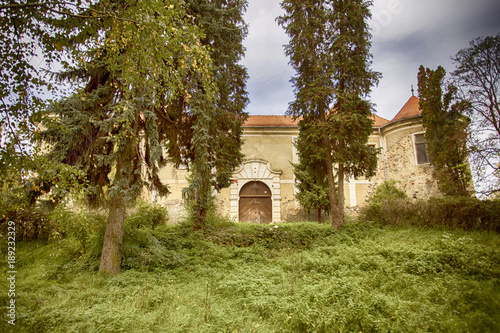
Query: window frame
[416, 151]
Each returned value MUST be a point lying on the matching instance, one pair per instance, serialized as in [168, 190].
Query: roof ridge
[410, 109]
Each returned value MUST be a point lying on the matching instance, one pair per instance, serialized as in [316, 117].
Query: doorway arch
[255, 204]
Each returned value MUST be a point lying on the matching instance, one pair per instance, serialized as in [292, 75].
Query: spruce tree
[310, 174]
[329, 49]
[134, 62]
[445, 131]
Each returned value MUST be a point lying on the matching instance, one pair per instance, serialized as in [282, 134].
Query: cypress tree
[445, 125]
[310, 174]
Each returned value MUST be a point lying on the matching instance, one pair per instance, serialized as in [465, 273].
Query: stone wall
[400, 161]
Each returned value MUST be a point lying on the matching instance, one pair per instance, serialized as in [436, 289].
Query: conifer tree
[135, 62]
[310, 174]
[29, 45]
[329, 49]
[445, 131]
[206, 135]
[156, 72]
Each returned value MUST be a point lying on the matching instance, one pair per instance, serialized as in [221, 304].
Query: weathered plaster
[269, 151]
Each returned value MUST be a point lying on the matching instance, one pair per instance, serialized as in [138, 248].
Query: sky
[406, 34]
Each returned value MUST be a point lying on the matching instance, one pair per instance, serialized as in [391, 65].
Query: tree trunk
[113, 235]
[338, 219]
[200, 217]
[331, 183]
[200, 207]
[111, 249]
[319, 215]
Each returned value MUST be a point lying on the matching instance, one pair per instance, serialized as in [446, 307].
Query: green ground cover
[251, 278]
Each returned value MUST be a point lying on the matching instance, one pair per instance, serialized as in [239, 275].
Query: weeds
[246, 278]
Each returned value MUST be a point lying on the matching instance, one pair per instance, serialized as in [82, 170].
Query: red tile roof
[287, 121]
[409, 110]
[271, 121]
[379, 121]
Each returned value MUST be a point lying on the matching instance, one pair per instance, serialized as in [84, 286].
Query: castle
[263, 190]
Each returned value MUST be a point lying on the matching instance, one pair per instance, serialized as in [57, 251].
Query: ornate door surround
[253, 170]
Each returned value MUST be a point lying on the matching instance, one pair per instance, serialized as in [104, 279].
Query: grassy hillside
[253, 278]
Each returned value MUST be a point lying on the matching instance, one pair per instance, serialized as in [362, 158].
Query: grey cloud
[424, 32]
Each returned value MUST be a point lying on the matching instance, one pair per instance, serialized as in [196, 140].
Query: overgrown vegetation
[391, 206]
[300, 277]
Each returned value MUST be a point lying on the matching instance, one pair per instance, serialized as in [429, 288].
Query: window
[420, 148]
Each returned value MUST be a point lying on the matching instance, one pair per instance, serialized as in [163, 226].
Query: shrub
[83, 225]
[143, 250]
[147, 215]
[386, 191]
[464, 212]
[32, 222]
[144, 243]
[277, 236]
[389, 206]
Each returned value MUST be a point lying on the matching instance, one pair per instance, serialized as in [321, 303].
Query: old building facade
[263, 190]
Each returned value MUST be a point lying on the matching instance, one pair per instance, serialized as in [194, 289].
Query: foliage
[310, 175]
[17, 204]
[386, 191]
[143, 248]
[329, 49]
[205, 135]
[83, 225]
[445, 131]
[139, 72]
[478, 76]
[361, 278]
[465, 213]
[154, 73]
[133, 64]
[31, 223]
[148, 215]
[30, 47]
[26, 44]
[120, 105]
[390, 206]
[277, 236]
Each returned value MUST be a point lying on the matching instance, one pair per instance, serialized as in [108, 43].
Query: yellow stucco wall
[273, 145]
[269, 150]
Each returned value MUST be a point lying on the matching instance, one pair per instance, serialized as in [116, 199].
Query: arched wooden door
[255, 203]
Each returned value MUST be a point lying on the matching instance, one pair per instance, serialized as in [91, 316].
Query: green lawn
[246, 278]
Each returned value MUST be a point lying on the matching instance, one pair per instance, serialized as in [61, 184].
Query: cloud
[425, 33]
[268, 86]
[406, 34]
